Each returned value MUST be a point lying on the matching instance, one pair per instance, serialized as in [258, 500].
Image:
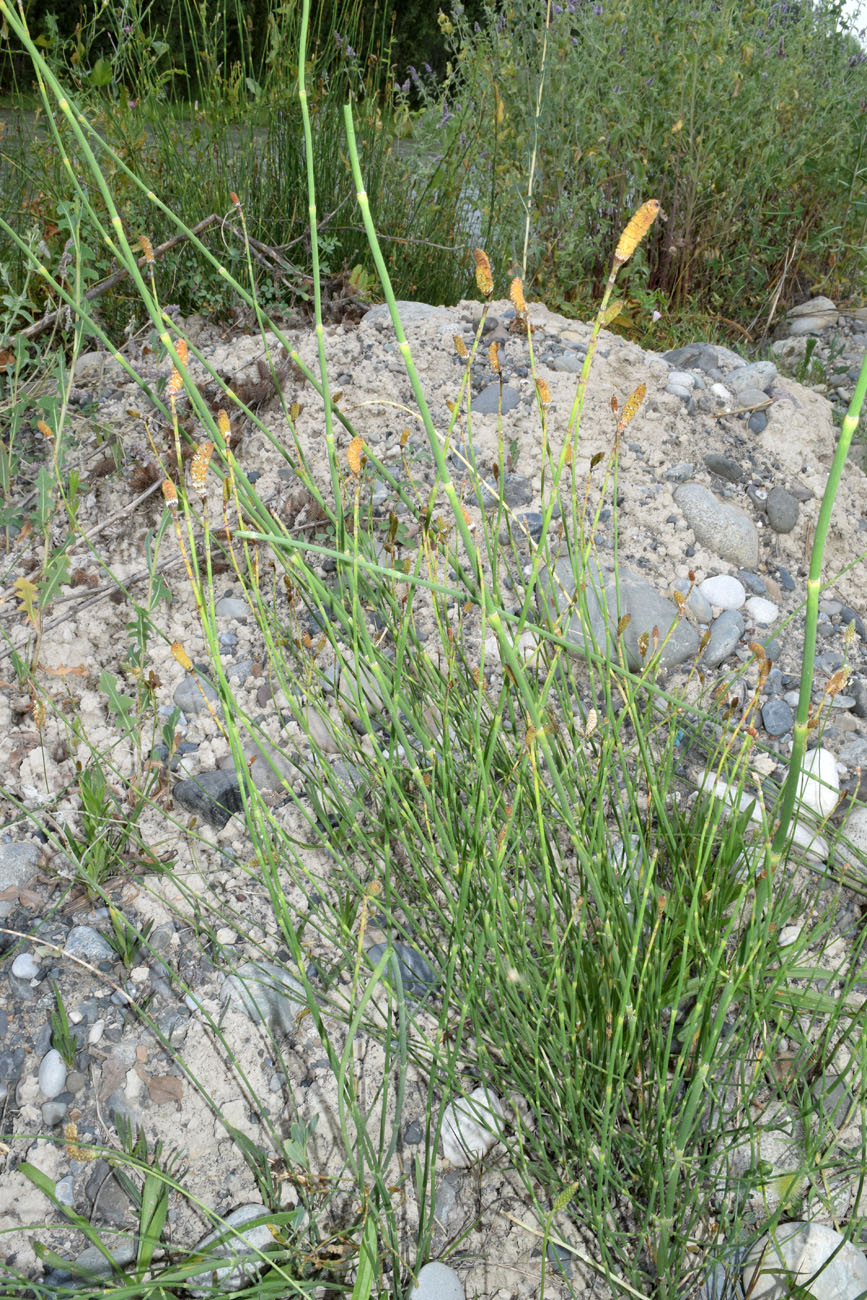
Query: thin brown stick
[115, 278]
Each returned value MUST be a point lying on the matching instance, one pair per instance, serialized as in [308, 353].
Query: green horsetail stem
[814, 582]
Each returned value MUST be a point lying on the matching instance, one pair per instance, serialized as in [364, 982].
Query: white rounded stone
[819, 787]
[793, 1256]
[762, 611]
[52, 1074]
[25, 966]
[437, 1281]
[470, 1127]
[724, 591]
[96, 1031]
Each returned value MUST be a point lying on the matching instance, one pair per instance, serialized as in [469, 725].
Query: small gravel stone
[762, 611]
[819, 786]
[193, 692]
[18, 863]
[757, 422]
[777, 717]
[415, 973]
[25, 966]
[724, 467]
[53, 1112]
[782, 510]
[754, 584]
[725, 633]
[268, 994]
[52, 1074]
[414, 1133]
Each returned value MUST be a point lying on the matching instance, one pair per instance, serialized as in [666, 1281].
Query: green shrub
[749, 121]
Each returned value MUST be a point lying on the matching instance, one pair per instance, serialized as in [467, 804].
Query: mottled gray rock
[488, 400]
[411, 313]
[680, 473]
[722, 528]
[415, 973]
[854, 753]
[694, 356]
[782, 510]
[194, 692]
[646, 607]
[517, 491]
[18, 864]
[725, 633]
[268, 994]
[799, 1254]
[757, 422]
[88, 944]
[568, 363]
[750, 397]
[243, 1248]
[93, 1260]
[214, 796]
[757, 375]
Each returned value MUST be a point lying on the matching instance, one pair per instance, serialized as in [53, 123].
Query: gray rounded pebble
[214, 796]
[53, 1112]
[268, 993]
[757, 422]
[437, 1282]
[725, 633]
[777, 717]
[417, 976]
[192, 693]
[783, 510]
[414, 1133]
[488, 400]
[724, 467]
[231, 607]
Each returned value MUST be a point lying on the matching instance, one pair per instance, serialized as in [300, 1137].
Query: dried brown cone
[484, 275]
[636, 230]
[147, 248]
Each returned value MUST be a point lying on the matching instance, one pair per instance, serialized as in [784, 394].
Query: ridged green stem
[790, 789]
